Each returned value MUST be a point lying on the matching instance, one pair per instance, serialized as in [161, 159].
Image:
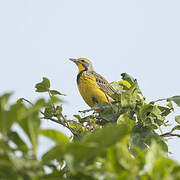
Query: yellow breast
[89, 90]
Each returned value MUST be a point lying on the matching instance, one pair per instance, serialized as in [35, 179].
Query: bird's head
[82, 64]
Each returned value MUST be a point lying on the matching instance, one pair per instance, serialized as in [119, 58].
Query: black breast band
[79, 75]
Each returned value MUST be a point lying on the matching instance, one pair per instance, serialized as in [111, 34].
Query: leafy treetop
[109, 141]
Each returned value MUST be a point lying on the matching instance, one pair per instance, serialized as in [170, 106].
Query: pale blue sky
[139, 37]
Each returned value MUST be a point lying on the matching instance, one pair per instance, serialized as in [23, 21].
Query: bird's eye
[82, 60]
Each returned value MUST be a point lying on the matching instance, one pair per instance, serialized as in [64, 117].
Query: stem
[163, 99]
[63, 124]
[85, 111]
[23, 99]
[55, 120]
[51, 101]
[169, 134]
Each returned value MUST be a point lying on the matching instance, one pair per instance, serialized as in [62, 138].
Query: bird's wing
[103, 84]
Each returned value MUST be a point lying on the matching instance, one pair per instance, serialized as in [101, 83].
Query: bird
[93, 87]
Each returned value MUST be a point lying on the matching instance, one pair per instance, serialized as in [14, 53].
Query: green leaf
[125, 157]
[117, 87]
[163, 168]
[129, 97]
[27, 166]
[107, 115]
[170, 105]
[158, 120]
[14, 136]
[143, 137]
[164, 110]
[89, 148]
[117, 132]
[78, 117]
[4, 99]
[56, 152]
[29, 121]
[55, 135]
[12, 114]
[6, 168]
[176, 99]
[95, 144]
[144, 111]
[128, 78]
[113, 164]
[125, 84]
[56, 174]
[154, 152]
[43, 86]
[124, 119]
[49, 111]
[55, 92]
[7, 117]
[58, 111]
[55, 99]
[33, 128]
[177, 119]
[175, 128]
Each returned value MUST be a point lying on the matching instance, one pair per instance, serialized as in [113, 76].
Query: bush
[115, 141]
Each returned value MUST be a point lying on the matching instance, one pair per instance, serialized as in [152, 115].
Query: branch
[63, 124]
[152, 102]
[169, 134]
[56, 120]
[85, 111]
[23, 99]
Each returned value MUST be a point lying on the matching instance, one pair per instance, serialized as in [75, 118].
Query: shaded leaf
[124, 157]
[55, 135]
[124, 119]
[154, 152]
[55, 99]
[129, 97]
[56, 152]
[143, 137]
[117, 87]
[55, 92]
[4, 99]
[177, 119]
[29, 120]
[175, 128]
[56, 174]
[14, 136]
[163, 168]
[95, 144]
[176, 99]
[144, 111]
[7, 116]
[49, 111]
[43, 86]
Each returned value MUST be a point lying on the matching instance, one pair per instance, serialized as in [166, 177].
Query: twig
[152, 102]
[23, 99]
[51, 101]
[169, 134]
[55, 120]
[85, 111]
[63, 124]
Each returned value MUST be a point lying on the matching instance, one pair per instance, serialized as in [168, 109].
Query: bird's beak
[72, 59]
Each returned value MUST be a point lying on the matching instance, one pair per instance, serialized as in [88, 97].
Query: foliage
[116, 141]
